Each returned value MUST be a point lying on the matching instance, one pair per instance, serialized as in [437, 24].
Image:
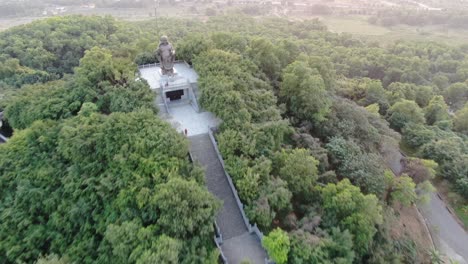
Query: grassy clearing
[358, 26]
[429, 33]
[407, 150]
[462, 213]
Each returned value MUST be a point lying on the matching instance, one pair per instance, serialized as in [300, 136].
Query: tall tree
[345, 206]
[437, 111]
[298, 168]
[303, 90]
[405, 112]
[277, 245]
[461, 120]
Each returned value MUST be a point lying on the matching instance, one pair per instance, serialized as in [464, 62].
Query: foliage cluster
[91, 175]
[306, 134]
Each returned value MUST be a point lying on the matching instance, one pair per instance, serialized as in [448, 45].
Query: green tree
[363, 169]
[263, 53]
[165, 250]
[277, 245]
[405, 112]
[52, 259]
[193, 45]
[98, 66]
[321, 248]
[126, 175]
[274, 200]
[185, 208]
[416, 135]
[460, 122]
[298, 168]
[303, 90]
[345, 206]
[41, 101]
[436, 111]
[456, 95]
[401, 189]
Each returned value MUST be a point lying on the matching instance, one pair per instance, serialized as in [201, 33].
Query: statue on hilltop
[166, 56]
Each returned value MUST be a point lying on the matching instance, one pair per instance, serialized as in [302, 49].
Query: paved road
[448, 235]
[450, 238]
[238, 243]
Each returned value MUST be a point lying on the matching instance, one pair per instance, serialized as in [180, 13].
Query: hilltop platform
[177, 98]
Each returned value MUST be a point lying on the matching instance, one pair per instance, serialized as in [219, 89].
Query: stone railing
[3, 138]
[149, 65]
[231, 184]
[163, 98]
[252, 228]
[193, 101]
[218, 241]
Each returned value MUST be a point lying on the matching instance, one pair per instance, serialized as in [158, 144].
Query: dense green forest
[92, 175]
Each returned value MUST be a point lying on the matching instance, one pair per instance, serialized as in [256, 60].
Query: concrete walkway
[182, 116]
[238, 243]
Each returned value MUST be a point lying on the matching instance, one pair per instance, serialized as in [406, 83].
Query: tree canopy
[82, 187]
[91, 175]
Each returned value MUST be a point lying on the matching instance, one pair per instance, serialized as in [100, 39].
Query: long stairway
[238, 243]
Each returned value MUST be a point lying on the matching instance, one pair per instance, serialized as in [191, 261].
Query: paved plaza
[182, 116]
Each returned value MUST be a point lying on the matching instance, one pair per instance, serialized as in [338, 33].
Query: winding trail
[449, 237]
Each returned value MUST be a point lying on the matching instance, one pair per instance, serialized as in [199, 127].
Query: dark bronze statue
[166, 56]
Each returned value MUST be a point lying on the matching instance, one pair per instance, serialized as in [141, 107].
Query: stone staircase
[238, 243]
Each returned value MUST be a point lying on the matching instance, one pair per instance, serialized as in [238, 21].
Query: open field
[355, 25]
[133, 14]
[358, 25]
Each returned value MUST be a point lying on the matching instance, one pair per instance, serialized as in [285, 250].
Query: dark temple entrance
[175, 95]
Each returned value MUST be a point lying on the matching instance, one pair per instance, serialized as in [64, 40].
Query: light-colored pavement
[244, 247]
[449, 237]
[238, 244]
[183, 116]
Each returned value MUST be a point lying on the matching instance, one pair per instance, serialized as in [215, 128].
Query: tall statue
[166, 56]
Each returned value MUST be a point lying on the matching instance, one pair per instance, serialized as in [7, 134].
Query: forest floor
[410, 224]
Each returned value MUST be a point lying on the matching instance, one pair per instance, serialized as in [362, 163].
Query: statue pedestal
[161, 73]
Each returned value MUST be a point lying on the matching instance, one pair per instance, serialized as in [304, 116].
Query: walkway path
[238, 243]
[450, 238]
